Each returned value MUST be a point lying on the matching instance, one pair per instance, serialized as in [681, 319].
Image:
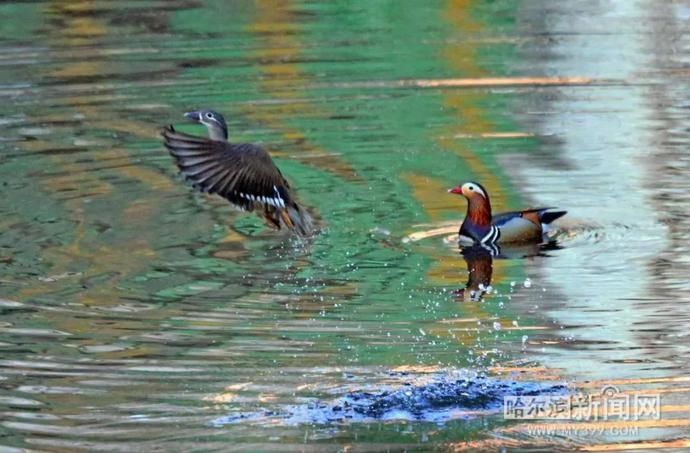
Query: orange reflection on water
[282, 78]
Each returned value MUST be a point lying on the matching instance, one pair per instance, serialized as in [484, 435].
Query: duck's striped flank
[492, 236]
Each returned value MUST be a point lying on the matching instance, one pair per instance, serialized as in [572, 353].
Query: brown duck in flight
[479, 227]
[242, 173]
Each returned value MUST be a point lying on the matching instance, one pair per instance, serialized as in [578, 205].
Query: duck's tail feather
[292, 217]
[300, 220]
[549, 216]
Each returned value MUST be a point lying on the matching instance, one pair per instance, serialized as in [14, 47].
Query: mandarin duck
[242, 173]
[479, 227]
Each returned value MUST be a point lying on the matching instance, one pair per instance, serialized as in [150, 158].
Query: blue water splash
[444, 398]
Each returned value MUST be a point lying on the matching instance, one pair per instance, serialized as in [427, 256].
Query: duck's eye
[209, 115]
[470, 188]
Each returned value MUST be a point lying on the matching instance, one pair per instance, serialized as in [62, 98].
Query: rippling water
[136, 312]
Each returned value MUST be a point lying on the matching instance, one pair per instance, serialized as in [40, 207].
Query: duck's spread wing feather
[244, 174]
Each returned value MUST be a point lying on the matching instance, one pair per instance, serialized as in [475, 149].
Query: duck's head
[478, 204]
[473, 191]
[214, 122]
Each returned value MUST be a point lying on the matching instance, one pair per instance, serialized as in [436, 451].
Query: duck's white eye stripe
[473, 187]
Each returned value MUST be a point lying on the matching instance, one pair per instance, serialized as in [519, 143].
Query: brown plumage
[244, 174]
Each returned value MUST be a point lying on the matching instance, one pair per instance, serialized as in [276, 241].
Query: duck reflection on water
[480, 259]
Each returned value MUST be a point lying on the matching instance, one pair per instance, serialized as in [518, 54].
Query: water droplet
[527, 283]
[497, 325]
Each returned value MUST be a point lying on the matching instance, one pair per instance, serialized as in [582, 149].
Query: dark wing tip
[550, 216]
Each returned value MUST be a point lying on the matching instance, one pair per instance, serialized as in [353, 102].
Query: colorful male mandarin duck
[479, 227]
[242, 173]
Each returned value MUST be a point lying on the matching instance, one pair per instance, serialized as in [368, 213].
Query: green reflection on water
[365, 159]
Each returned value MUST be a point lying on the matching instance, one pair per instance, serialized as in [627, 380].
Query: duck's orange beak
[456, 190]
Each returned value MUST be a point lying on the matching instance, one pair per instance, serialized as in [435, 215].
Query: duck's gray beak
[194, 116]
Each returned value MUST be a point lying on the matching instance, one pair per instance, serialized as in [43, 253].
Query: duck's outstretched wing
[244, 174]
